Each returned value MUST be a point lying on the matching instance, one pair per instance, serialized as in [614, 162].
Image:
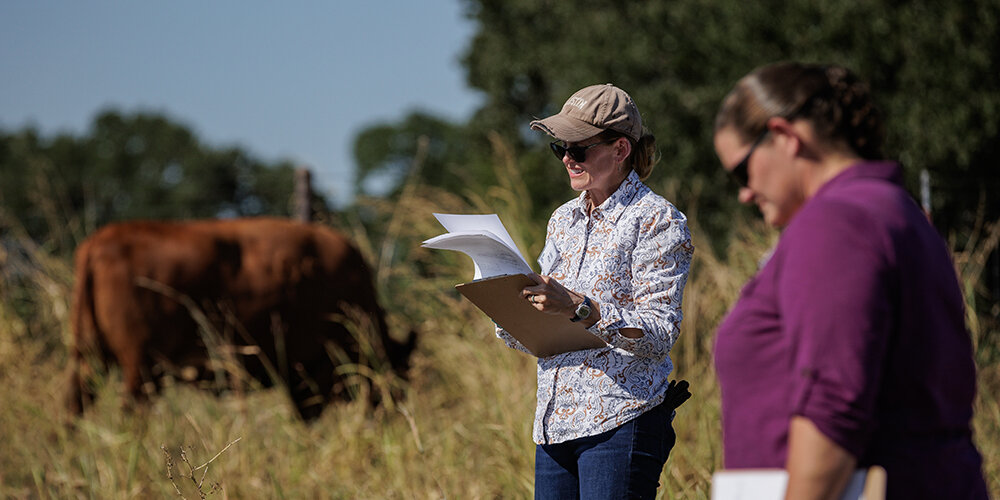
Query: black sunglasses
[739, 172]
[576, 153]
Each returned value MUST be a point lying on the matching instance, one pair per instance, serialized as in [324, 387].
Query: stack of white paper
[485, 239]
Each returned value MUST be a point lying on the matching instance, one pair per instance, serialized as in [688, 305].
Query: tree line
[129, 166]
[932, 64]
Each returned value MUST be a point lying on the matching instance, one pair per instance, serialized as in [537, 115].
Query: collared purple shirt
[855, 322]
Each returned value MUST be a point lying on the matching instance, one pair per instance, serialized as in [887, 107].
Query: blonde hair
[644, 155]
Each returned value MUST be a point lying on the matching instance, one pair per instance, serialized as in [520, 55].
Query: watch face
[582, 310]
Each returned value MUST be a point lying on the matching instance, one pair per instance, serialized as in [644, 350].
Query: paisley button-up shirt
[630, 255]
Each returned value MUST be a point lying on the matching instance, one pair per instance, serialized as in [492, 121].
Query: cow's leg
[121, 311]
[131, 362]
[310, 387]
[85, 346]
[80, 373]
[305, 394]
[127, 346]
[74, 388]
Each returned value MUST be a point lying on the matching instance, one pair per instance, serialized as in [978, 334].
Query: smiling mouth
[575, 171]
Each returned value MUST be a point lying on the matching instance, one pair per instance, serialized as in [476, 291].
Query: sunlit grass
[462, 428]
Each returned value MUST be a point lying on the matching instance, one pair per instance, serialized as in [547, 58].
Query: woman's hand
[549, 296]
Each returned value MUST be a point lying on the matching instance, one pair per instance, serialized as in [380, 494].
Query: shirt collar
[888, 171]
[614, 206]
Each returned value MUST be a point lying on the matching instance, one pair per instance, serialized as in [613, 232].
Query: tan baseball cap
[592, 110]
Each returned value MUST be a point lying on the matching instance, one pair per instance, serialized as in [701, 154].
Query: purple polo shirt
[856, 322]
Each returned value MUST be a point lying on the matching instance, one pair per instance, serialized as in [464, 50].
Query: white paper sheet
[770, 484]
[483, 238]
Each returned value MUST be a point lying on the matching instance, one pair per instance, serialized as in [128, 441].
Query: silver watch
[582, 310]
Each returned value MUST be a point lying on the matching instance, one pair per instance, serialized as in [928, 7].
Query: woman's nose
[745, 195]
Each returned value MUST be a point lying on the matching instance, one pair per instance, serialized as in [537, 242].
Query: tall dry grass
[462, 428]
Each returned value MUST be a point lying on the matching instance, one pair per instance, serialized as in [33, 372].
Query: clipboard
[541, 333]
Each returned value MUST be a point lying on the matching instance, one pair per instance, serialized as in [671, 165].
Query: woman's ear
[786, 136]
[623, 147]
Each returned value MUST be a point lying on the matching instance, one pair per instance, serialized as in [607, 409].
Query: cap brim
[565, 128]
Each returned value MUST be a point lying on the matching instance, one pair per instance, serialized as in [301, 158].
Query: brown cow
[275, 291]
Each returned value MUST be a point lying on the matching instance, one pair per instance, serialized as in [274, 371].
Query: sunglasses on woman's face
[740, 172]
[576, 153]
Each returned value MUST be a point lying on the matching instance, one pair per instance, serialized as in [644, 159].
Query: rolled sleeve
[659, 268]
[833, 288]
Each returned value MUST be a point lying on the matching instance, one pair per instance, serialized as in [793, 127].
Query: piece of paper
[477, 222]
[765, 484]
[483, 238]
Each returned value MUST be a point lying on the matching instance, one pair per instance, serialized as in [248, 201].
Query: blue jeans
[621, 463]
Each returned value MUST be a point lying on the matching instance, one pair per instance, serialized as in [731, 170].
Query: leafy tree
[441, 150]
[457, 158]
[128, 167]
[933, 65]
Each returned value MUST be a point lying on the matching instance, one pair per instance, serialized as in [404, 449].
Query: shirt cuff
[607, 327]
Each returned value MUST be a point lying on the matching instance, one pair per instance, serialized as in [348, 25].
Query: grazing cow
[284, 298]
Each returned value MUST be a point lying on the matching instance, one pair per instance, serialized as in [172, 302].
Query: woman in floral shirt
[616, 259]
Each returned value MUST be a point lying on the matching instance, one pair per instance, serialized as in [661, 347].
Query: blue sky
[284, 80]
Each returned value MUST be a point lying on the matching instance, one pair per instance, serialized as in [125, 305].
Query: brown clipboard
[541, 333]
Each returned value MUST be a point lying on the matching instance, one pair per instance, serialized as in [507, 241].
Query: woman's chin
[578, 183]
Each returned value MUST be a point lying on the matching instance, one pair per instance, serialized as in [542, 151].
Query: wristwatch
[582, 310]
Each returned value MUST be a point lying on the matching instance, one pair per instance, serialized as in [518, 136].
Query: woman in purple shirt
[848, 348]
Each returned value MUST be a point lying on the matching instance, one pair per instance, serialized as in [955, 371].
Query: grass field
[462, 429]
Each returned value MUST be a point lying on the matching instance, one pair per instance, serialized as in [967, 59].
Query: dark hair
[836, 101]
[644, 154]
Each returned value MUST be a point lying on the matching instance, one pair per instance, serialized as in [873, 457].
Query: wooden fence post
[303, 195]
